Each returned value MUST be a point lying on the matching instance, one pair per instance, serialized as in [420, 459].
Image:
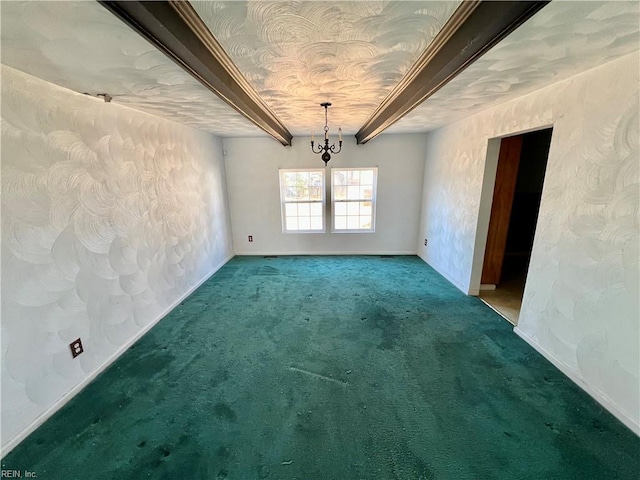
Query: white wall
[252, 177]
[580, 306]
[109, 217]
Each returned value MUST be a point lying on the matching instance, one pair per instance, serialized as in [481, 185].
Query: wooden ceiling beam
[475, 27]
[175, 28]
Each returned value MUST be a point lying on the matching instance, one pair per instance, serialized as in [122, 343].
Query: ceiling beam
[475, 27]
[175, 28]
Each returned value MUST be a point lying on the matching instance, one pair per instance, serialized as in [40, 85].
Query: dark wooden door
[503, 192]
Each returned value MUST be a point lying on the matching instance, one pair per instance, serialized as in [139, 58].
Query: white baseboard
[289, 253]
[11, 444]
[451, 280]
[601, 398]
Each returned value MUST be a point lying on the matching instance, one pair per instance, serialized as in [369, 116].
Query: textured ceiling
[298, 54]
[561, 40]
[83, 47]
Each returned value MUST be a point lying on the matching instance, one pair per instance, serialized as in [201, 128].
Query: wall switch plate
[251, 238]
[76, 348]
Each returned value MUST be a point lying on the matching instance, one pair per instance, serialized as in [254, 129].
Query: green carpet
[330, 368]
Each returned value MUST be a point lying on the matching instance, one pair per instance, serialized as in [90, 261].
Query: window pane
[316, 223]
[315, 179]
[290, 193]
[290, 179]
[340, 193]
[352, 223]
[341, 222]
[340, 208]
[366, 177]
[291, 209]
[292, 223]
[353, 208]
[302, 179]
[316, 209]
[315, 193]
[304, 223]
[365, 222]
[353, 177]
[365, 208]
[339, 178]
[304, 209]
[366, 192]
[302, 185]
[353, 193]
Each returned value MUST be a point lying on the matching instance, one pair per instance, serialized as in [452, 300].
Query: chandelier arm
[333, 147]
[317, 148]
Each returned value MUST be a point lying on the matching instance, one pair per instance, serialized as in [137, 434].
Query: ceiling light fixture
[325, 149]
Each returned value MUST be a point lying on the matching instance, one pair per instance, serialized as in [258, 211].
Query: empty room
[320, 240]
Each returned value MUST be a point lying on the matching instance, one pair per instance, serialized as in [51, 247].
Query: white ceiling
[298, 54]
[82, 46]
[561, 40]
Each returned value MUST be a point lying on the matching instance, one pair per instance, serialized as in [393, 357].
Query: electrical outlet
[76, 348]
[251, 238]
[425, 242]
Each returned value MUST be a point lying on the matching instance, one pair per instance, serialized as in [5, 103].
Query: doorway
[522, 162]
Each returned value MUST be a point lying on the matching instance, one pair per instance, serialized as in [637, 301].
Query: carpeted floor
[330, 368]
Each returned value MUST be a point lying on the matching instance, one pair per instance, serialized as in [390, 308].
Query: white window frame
[284, 202]
[372, 200]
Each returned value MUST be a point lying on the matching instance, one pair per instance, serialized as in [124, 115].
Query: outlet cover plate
[76, 348]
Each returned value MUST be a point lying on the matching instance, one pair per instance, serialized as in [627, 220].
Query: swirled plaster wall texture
[580, 306]
[109, 218]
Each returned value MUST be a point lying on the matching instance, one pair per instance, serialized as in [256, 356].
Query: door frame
[486, 201]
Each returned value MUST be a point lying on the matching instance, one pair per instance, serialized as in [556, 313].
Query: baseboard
[11, 444]
[598, 396]
[289, 253]
[451, 280]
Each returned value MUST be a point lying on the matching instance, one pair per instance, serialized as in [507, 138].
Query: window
[302, 198]
[353, 199]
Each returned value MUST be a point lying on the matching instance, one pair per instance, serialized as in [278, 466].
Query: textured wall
[580, 305]
[254, 194]
[109, 216]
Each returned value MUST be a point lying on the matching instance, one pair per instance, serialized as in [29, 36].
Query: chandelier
[326, 148]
